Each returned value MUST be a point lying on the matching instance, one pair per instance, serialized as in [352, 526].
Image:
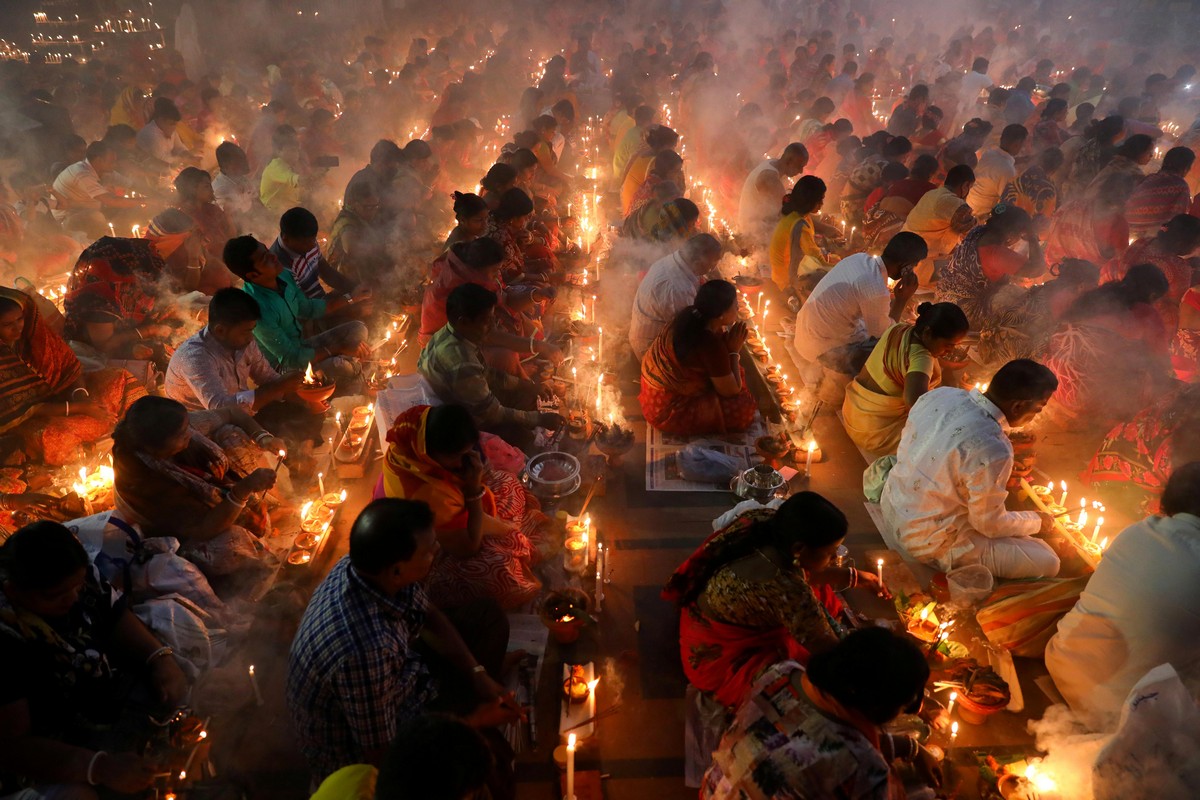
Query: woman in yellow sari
[489, 527]
[793, 252]
[129, 109]
[658, 139]
[901, 368]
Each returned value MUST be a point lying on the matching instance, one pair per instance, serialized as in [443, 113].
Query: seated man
[298, 250]
[233, 187]
[1133, 614]
[943, 501]
[282, 186]
[454, 366]
[284, 310]
[159, 139]
[670, 286]
[851, 306]
[214, 369]
[942, 217]
[64, 633]
[372, 652]
[87, 191]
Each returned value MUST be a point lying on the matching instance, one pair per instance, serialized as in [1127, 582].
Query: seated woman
[1138, 610]
[1185, 349]
[658, 139]
[112, 303]
[747, 594]
[173, 481]
[1170, 250]
[793, 253]
[640, 224]
[1092, 226]
[48, 401]
[1133, 463]
[901, 368]
[471, 216]
[194, 191]
[357, 245]
[1023, 329]
[817, 732]
[498, 180]
[1111, 336]
[522, 263]
[665, 169]
[491, 530]
[984, 262]
[692, 380]
[887, 208]
[676, 223]
[80, 674]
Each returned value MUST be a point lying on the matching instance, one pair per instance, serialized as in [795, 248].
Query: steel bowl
[553, 474]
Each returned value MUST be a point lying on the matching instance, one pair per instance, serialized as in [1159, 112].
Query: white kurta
[944, 501]
[1140, 609]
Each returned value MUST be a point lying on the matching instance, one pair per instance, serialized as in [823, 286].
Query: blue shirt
[353, 675]
[280, 333]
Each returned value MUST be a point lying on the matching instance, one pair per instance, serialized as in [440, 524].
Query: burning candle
[812, 446]
[111, 230]
[1096, 530]
[593, 308]
[587, 533]
[879, 570]
[599, 390]
[1083, 518]
[337, 418]
[137, 231]
[1062, 500]
[321, 482]
[570, 766]
[600, 345]
[953, 732]
[950, 705]
[258, 698]
[760, 303]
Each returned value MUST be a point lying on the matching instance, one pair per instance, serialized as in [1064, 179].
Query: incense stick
[587, 500]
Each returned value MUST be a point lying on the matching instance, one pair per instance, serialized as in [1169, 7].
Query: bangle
[68, 411]
[475, 497]
[239, 503]
[138, 332]
[162, 651]
[532, 346]
[263, 434]
[853, 578]
[78, 389]
[92, 767]
[5, 502]
[347, 297]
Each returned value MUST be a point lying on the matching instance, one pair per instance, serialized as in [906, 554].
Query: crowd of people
[979, 205]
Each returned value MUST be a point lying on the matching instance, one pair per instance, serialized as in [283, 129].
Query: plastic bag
[1156, 749]
[969, 585]
[701, 465]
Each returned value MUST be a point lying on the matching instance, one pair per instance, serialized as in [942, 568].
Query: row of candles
[1093, 543]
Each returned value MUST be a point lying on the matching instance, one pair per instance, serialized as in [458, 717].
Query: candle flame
[592, 685]
[251, 669]
[953, 729]
[308, 375]
[203, 735]
[924, 611]
[1104, 543]
[812, 445]
[570, 741]
[343, 495]
[304, 509]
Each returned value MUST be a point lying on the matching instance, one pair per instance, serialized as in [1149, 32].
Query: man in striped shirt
[297, 249]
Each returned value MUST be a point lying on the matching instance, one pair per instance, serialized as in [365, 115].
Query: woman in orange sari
[42, 383]
[692, 381]
[492, 531]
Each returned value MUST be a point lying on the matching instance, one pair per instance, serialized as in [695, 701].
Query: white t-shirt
[758, 213]
[668, 288]
[849, 305]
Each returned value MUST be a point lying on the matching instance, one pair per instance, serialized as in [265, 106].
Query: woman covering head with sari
[112, 301]
[172, 480]
[901, 368]
[42, 382]
[665, 169]
[1092, 226]
[983, 263]
[755, 593]
[129, 109]
[676, 221]
[693, 383]
[1170, 249]
[489, 527]
[1110, 337]
[658, 139]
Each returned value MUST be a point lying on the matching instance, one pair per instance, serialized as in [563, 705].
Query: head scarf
[410, 472]
[47, 366]
[169, 231]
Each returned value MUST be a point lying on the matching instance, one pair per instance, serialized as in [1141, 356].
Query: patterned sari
[515, 531]
[874, 421]
[114, 279]
[40, 368]
[726, 658]
[964, 283]
[1185, 349]
[679, 399]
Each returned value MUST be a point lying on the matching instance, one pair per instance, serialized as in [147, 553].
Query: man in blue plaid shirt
[357, 669]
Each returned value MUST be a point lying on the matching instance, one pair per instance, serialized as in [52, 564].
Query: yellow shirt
[931, 217]
[780, 251]
[279, 188]
[626, 147]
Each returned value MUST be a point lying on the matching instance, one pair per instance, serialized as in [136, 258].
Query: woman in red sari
[1110, 337]
[491, 530]
[759, 591]
[44, 394]
[692, 381]
[1169, 250]
[1092, 227]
